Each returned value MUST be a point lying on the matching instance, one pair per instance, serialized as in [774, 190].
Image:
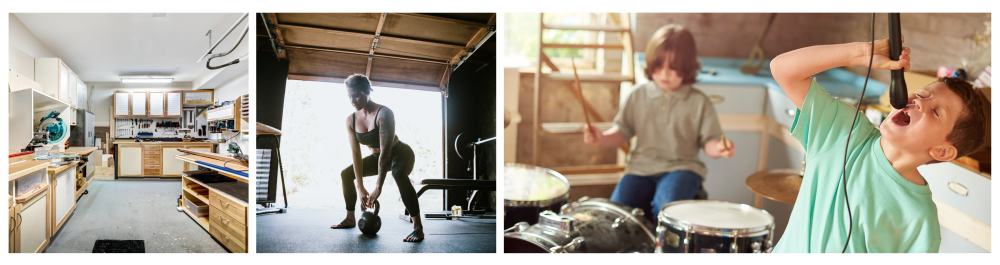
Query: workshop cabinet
[129, 160]
[227, 221]
[32, 233]
[122, 104]
[71, 88]
[62, 196]
[199, 97]
[173, 104]
[55, 78]
[171, 165]
[963, 200]
[156, 104]
[139, 106]
[81, 94]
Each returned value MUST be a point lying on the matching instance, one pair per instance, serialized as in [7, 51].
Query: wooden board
[264, 129]
[215, 156]
[24, 168]
[81, 151]
[234, 166]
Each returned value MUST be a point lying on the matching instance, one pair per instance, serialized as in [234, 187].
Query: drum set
[539, 219]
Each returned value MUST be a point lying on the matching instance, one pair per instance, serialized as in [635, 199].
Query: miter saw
[50, 130]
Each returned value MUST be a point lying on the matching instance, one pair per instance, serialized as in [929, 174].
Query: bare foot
[347, 223]
[416, 236]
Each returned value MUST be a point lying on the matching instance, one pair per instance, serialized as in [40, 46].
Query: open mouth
[902, 118]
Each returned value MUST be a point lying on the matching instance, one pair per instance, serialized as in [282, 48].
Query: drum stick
[725, 146]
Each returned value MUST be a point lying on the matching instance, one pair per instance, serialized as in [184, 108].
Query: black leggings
[401, 161]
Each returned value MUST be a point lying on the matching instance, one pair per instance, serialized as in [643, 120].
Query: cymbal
[777, 184]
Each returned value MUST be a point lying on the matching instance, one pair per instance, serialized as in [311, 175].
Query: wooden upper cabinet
[199, 97]
[173, 104]
[139, 106]
[157, 108]
[123, 103]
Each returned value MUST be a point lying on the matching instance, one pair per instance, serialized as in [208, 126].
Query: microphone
[897, 87]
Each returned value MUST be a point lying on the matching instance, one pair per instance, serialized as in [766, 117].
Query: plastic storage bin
[196, 207]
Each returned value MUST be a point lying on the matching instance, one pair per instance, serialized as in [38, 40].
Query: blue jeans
[651, 192]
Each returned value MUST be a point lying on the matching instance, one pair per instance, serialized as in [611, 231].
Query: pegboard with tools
[148, 127]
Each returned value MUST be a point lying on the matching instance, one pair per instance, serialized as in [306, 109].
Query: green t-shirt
[891, 214]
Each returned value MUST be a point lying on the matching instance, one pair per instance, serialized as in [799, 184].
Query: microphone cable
[850, 224]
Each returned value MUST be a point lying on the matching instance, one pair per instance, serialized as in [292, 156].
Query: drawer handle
[958, 188]
[716, 99]
[226, 204]
[223, 220]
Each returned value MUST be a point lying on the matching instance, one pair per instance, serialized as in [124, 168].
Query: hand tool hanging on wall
[750, 67]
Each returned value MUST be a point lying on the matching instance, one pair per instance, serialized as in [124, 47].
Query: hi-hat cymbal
[778, 184]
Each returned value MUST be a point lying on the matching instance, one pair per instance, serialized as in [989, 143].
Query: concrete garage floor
[133, 209]
[308, 231]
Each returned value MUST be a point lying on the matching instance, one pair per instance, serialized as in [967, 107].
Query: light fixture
[146, 79]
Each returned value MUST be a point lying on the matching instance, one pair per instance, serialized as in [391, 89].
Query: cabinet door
[199, 97]
[129, 160]
[123, 101]
[64, 196]
[71, 87]
[33, 224]
[173, 104]
[63, 82]
[156, 106]
[171, 165]
[81, 95]
[139, 99]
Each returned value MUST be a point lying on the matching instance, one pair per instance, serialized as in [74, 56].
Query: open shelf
[43, 102]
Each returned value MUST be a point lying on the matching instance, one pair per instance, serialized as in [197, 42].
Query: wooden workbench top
[231, 165]
[53, 172]
[81, 151]
[24, 168]
[125, 142]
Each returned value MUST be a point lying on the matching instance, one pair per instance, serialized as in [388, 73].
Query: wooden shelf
[196, 195]
[607, 77]
[202, 221]
[24, 168]
[81, 151]
[43, 102]
[24, 197]
[585, 27]
[264, 129]
[194, 159]
[572, 127]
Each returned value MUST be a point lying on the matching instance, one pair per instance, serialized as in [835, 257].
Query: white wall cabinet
[81, 94]
[122, 104]
[139, 103]
[173, 102]
[156, 103]
[72, 89]
[55, 77]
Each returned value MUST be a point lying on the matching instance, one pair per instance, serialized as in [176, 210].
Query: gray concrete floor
[308, 231]
[127, 209]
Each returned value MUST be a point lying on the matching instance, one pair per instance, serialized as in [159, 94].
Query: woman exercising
[374, 125]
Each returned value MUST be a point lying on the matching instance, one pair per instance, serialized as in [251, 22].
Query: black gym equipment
[370, 223]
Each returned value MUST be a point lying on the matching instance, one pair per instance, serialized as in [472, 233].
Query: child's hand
[881, 59]
[591, 135]
[726, 148]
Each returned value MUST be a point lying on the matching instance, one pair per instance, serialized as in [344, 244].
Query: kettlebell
[370, 223]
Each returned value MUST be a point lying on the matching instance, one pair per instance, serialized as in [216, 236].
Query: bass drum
[585, 226]
[700, 226]
[531, 190]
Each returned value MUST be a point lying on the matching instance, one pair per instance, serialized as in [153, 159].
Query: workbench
[93, 155]
[30, 211]
[217, 202]
[154, 159]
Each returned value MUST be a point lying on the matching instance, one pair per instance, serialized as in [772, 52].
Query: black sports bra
[369, 138]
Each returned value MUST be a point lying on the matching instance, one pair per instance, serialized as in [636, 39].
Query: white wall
[24, 48]
[103, 91]
[230, 90]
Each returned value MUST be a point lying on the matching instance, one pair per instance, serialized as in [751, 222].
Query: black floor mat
[119, 246]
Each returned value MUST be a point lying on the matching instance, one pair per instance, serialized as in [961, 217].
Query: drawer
[224, 237]
[156, 157]
[735, 99]
[229, 224]
[152, 167]
[236, 210]
[941, 177]
[147, 152]
[151, 162]
[780, 108]
[151, 148]
[151, 172]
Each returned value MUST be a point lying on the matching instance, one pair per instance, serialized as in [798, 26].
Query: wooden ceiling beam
[273, 20]
[474, 40]
[444, 19]
[371, 51]
[374, 82]
[363, 53]
[381, 38]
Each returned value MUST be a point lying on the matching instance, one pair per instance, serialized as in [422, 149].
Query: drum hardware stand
[554, 224]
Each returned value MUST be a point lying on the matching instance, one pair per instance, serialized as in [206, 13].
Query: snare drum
[530, 190]
[585, 226]
[700, 226]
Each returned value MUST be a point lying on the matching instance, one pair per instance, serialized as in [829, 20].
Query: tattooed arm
[356, 157]
[386, 138]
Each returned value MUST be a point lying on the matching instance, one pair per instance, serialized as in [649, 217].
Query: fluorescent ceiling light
[146, 79]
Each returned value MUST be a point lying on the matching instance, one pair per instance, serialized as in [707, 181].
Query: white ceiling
[99, 47]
